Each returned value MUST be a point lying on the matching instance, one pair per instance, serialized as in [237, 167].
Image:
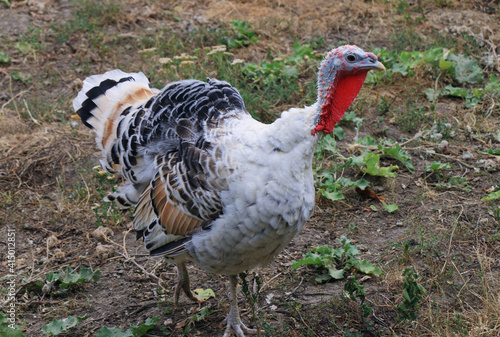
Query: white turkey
[211, 184]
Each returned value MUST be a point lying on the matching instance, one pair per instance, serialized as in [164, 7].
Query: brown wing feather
[173, 219]
[182, 197]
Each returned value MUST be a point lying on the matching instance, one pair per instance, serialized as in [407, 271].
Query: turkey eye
[351, 58]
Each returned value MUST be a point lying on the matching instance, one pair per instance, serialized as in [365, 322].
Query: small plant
[492, 196]
[59, 326]
[199, 316]
[413, 292]
[396, 152]
[22, 77]
[270, 72]
[245, 35]
[63, 281]
[71, 277]
[8, 328]
[390, 208]
[331, 188]
[4, 58]
[133, 331]
[336, 261]
[354, 290]
[435, 168]
[370, 163]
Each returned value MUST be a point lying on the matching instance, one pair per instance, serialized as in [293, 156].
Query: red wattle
[337, 102]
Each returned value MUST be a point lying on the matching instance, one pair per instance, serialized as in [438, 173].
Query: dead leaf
[371, 194]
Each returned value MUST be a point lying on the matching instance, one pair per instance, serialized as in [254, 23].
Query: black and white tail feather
[156, 141]
[103, 105]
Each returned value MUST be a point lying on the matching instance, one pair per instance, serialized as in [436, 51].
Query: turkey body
[211, 184]
[269, 195]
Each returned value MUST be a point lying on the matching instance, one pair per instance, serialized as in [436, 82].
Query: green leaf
[245, 35]
[432, 94]
[323, 278]
[9, 329]
[492, 196]
[457, 92]
[4, 58]
[142, 329]
[358, 160]
[59, 326]
[466, 69]
[495, 152]
[390, 208]
[202, 314]
[406, 295]
[71, 277]
[336, 261]
[368, 140]
[437, 166]
[366, 267]
[336, 274]
[24, 47]
[400, 68]
[113, 332]
[17, 76]
[401, 155]
[351, 117]
[329, 144]
[204, 294]
[308, 258]
[445, 66]
[338, 132]
[373, 167]
[347, 182]
[332, 195]
[52, 277]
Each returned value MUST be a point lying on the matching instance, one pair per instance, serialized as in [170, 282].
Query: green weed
[336, 261]
[59, 326]
[355, 291]
[245, 35]
[413, 293]
[199, 316]
[21, 77]
[133, 331]
[492, 196]
[8, 328]
[435, 169]
[370, 164]
[4, 58]
[59, 283]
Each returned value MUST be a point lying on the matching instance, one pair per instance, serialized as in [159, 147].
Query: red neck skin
[338, 100]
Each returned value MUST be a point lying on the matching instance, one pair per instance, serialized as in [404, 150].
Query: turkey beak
[372, 64]
[378, 66]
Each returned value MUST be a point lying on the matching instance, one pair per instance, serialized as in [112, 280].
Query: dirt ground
[50, 194]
